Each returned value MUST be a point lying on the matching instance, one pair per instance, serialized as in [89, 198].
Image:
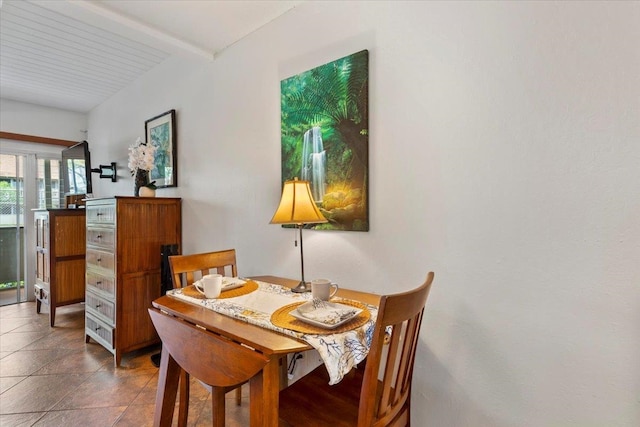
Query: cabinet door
[136, 291]
[69, 235]
[42, 248]
[69, 280]
[40, 262]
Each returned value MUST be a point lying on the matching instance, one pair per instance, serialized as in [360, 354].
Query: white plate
[229, 283]
[307, 307]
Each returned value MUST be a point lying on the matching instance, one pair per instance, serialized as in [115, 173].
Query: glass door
[12, 247]
[27, 181]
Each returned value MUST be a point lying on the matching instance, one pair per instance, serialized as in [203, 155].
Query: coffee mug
[210, 285]
[321, 289]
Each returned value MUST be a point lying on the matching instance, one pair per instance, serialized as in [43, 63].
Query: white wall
[504, 155]
[31, 119]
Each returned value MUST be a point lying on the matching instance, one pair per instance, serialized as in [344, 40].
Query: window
[48, 184]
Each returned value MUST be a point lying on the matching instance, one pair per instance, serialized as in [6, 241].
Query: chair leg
[217, 406]
[239, 396]
[183, 408]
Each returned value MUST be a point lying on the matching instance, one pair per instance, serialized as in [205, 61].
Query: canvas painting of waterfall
[325, 138]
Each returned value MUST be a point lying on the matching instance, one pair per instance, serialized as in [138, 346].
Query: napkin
[329, 315]
[232, 282]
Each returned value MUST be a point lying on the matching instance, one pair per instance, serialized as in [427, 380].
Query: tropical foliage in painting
[333, 99]
[160, 138]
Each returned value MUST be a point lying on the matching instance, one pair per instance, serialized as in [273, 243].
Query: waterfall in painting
[314, 163]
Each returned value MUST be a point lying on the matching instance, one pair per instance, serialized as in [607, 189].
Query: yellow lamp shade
[297, 205]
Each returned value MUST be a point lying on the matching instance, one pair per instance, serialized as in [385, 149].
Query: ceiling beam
[37, 139]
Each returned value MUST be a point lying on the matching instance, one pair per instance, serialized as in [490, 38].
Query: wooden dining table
[264, 386]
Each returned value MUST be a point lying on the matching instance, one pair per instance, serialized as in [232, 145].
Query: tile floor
[50, 377]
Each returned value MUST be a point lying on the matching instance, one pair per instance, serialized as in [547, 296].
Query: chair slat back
[386, 385]
[208, 357]
[186, 269]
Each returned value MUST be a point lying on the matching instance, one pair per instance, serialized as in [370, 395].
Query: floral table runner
[340, 352]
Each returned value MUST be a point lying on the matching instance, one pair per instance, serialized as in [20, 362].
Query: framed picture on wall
[161, 132]
[325, 138]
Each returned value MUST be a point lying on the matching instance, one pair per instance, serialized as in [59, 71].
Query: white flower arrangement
[141, 156]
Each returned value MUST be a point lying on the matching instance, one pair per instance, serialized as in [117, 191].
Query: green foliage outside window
[11, 285]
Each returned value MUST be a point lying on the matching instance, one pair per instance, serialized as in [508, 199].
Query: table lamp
[297, 207]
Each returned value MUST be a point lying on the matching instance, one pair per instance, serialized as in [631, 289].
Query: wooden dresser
[124, 235]
[60, 250]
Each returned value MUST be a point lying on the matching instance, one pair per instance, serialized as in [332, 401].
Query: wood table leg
[183, 408]
[217, 406]
[264, 395]
[168, 379]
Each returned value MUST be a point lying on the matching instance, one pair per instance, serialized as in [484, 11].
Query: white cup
[210, 285]
[321, 289]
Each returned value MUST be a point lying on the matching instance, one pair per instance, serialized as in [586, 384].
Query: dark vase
[141, 179]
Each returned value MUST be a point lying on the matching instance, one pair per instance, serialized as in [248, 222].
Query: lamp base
[302, 287]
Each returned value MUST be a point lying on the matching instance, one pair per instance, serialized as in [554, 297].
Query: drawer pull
[99, 214]
[97, 328]
[98, 305]
[98, 259]
[99, 282]
[99, 236]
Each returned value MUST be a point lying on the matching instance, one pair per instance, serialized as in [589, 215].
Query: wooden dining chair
[206, 356]
[378, 394]
[186, 269]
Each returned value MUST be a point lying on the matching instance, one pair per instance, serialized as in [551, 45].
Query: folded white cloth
[228, 282]
[329, 316]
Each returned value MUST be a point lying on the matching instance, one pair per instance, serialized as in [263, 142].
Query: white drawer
[101, 284]
[101, 214]
[105, 237]
[100, 259]
[100, 307]
[99, 331]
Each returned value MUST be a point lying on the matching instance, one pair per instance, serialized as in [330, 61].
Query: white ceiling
[74, 54]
